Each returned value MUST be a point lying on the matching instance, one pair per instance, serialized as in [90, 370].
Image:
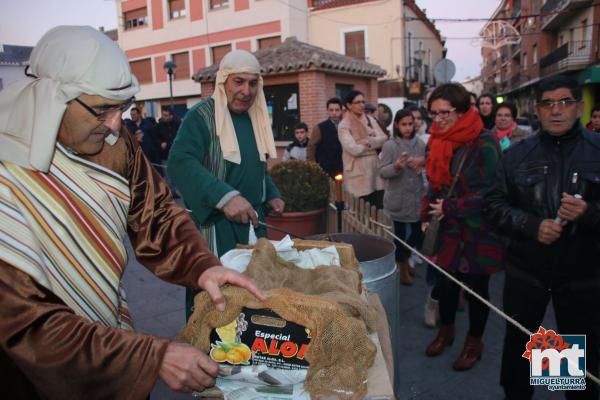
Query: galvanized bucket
[377, 260]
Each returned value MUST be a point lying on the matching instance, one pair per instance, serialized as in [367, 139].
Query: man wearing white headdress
[218, 159]
[73, 186]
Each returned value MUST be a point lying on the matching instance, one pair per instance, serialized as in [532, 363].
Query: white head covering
[240, 62]
[67, 61]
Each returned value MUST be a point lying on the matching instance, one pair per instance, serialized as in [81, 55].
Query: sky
[465, 53]
[23, 22]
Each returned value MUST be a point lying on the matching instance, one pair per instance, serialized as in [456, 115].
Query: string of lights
[512, 18]
[408, 19]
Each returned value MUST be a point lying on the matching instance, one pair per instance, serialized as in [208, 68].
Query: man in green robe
[218, 159]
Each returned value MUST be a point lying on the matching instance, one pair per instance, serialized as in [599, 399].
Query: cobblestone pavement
[157, 308]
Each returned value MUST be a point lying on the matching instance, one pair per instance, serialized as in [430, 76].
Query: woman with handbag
[460, 166]
[400, 166]
[361, 137]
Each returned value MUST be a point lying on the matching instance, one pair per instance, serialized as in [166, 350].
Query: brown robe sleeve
[315, 139]
[163, 236]
[46, 351]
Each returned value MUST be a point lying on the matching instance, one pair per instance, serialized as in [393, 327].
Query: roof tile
[293, 56]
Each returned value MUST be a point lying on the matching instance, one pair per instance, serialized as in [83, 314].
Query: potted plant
[304, 187]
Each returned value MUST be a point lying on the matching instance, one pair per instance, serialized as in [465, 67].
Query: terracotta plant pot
[303, 223]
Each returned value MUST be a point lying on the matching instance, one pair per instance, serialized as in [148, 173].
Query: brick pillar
[208, 89]
[313, 96]
[372, 90]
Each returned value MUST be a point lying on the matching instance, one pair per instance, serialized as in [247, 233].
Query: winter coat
[530, 180]
[361, 176]
[404, 188]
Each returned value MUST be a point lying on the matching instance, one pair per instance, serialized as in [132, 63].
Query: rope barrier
[469, 290]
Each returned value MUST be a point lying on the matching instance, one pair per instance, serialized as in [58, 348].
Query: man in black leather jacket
[546, 201]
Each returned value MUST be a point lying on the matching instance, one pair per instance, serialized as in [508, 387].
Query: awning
[589, 75]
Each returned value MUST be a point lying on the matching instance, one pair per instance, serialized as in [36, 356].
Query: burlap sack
[325, 300]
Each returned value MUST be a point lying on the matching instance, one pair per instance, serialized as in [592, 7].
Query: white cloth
[240, 62]
[238, 259]
[68, 61]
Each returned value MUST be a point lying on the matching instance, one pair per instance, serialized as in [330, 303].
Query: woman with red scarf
[469, 250]
[506, 130]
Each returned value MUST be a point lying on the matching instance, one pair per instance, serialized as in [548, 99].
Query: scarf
[358, 129]
[505, 135]
[67, 61]
[239, 62]
[502, 133]
[442, 146]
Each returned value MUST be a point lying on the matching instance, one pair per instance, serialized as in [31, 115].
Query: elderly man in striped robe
[73, 186]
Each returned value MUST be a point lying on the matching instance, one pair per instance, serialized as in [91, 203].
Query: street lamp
[419, 62]
[169, 67]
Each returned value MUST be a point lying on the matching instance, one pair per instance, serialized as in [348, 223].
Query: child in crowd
[297, 149]
[594, 124]
[420, 123]
[401, 163]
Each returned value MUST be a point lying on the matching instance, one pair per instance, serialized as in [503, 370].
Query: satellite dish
[444, 70]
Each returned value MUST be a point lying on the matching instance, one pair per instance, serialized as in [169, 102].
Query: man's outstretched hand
[213, 278]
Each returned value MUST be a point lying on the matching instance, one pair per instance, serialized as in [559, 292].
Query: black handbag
[433, 235]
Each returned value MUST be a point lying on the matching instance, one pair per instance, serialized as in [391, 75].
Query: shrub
[304, 186]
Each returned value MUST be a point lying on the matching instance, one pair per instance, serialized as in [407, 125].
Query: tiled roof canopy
[14, 55]
[295, 56]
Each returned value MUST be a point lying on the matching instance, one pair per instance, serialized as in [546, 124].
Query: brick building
[557, 36]
[299, 79]
[194, 34]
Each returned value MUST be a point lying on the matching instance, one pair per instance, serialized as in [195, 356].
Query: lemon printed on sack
[228, 332]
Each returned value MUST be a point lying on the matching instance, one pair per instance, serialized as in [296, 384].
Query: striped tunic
[66, 229]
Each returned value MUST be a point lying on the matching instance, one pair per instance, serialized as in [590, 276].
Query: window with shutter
[142, 69]
[355, 44]
[268, 42]
[135, 18]
[218, 52]
[182, 60]
[177, 9]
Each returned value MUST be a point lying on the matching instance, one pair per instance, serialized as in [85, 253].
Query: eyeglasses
[562, 103]
[106, 111]
[441, 113]
[358, 102]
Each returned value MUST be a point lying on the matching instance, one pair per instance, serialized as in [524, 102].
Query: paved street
[157, 308]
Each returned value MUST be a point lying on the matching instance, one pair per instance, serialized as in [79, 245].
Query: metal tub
[377, 260]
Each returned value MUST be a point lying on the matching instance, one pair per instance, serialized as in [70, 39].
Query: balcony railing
[556, 11]
[569, 56]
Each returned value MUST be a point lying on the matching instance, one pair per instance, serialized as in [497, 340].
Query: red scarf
[506, 132]
[443, 144]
